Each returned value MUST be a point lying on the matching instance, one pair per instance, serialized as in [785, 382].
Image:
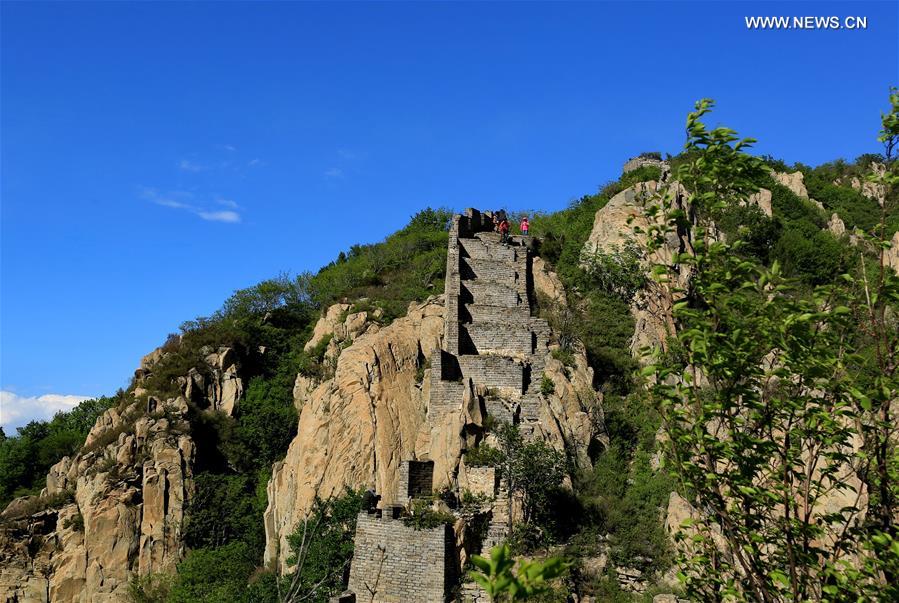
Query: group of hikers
[501, 225]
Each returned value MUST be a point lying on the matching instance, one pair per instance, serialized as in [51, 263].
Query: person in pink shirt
[524, 226]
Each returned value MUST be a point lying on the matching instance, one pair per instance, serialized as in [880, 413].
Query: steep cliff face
[115, 511]
[423, 387]
[116, 508]
[355, 428]
[613, 228]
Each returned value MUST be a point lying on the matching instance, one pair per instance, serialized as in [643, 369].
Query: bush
[618, 272]
[814, 255]
[409, 265]
[76, 522]
[227, 508]
[212, 575]
[312, 363]
[153, 588]
[266, 423]
[605, 326]
[423, 517]
[322, 548]
[757, 232]
[482, 455]
[547, 386]
[566, 357]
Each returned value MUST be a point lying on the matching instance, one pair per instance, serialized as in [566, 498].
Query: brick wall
[490, 337]
[493, 371]
[490, 294]
[394, 563]
[416, 479]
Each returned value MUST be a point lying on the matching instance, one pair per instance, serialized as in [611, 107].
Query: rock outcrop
[355, 428]
[891, 255]
[215, 384]
[424, 387]
[614, 228]
[795, 182]
[873, 190]
[111, 512]
[836, 226]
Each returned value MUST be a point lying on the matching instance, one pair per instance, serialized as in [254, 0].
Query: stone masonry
[416, 479]
[492, 344]
[395, 563]
[490, 337]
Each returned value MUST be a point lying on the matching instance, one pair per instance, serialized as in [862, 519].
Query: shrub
[422, 516]
[76, 522]
[566, 357]
[322, 548]
[153, 588]
[482, 455]
[547, 386]
[211, 575]
[409, 265]
[618, 272]
[224, 509]
[312, 363]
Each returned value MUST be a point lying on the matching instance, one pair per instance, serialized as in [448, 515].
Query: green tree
[497, 575]
[777, 408]
[214, 575]
[322, 548]
[533, 473]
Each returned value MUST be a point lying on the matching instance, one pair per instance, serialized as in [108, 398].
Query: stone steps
[471, 312]
[530, 405]
[490, 294]
[493, 270]
[495, 338]
[494, 372]
[479, 250]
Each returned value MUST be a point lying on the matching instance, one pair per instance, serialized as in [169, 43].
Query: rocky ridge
[115, 510]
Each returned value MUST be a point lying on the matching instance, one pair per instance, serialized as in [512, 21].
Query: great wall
[494, 352]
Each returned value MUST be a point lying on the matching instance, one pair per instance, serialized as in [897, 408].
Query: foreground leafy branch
[776, 400]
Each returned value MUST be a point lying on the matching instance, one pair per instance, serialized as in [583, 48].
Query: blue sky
[157, 156]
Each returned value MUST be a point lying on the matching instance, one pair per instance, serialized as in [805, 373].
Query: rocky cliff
[116, 509]
[394, 395]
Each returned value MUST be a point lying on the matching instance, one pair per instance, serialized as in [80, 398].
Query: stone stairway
[491, 340]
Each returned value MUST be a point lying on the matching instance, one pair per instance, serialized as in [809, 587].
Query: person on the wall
[524, 226]
[504, 230]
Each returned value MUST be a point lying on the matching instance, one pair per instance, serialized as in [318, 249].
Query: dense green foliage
[623, 494]
[322, 548]
[26, 457]
[534, 473]
[502, 581]
[408, 265]
[792, 408]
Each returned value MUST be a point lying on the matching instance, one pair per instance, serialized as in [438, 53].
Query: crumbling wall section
[395, 563]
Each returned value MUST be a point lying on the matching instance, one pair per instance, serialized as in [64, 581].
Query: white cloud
[255, 163]
[171, 203]
[172, 200]
[334, 173]
[219, 216]
[189, 166]
[230, 147]
[16, 410]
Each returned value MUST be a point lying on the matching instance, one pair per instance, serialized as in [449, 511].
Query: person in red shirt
[504, 231]
[524, 226]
